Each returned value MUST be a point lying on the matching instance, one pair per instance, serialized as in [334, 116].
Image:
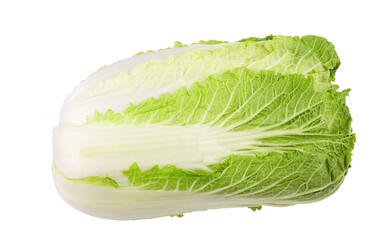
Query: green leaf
[255, 208]
[178, 44]
[309, 55]
[256, 39]
[99, 181]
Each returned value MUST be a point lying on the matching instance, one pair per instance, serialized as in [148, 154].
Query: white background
[48, 47]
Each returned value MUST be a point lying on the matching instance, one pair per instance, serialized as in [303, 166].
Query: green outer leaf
[301, 176]
[243, 100]
[308, 55]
